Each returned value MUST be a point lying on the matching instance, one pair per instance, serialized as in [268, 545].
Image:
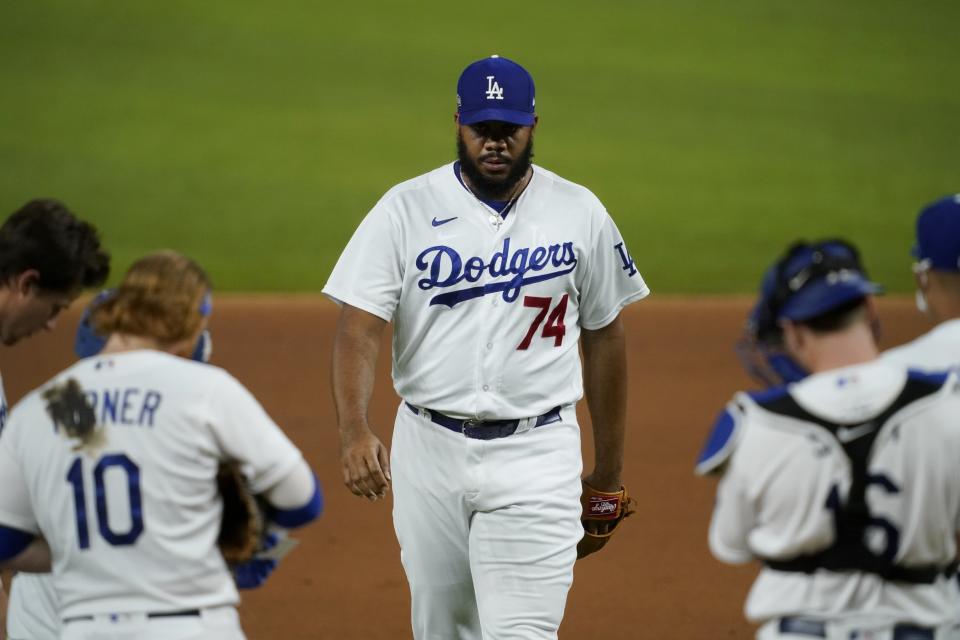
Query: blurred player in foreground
[845, 485]
[937, 272]
[114, 462]
[47, 257]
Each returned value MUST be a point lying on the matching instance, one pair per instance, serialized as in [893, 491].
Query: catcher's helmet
[808, 281]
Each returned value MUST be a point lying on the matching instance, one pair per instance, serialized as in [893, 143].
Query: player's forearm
[355, 350]
[605, 387]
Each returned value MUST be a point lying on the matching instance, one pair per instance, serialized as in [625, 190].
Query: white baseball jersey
[133, 517]
[32, 608]
[33, 611]
[487, 312]
[786, 480]
[935, 350]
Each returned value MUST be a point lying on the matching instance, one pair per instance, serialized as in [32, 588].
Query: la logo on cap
[494, 90]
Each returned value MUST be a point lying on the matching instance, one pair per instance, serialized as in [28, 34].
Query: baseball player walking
[491, 269]
[845, 484]
[114, 462]
[937, 272]
[47, 256]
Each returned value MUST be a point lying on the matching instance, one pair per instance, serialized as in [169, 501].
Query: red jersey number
[554, 328]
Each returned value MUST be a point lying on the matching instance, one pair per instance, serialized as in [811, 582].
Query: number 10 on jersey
[131, 471]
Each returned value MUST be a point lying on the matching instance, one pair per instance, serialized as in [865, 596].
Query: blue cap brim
[821, 297]
[521, 118]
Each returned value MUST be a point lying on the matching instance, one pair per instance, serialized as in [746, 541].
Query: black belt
[818, 629]
[156, 614]
[486, 429]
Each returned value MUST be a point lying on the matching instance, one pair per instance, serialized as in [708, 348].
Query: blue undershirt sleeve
[13, 542]
[292, 518]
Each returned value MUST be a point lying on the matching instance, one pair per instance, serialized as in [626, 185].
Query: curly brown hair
[161, 297]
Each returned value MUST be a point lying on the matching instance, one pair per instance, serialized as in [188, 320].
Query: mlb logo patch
[603, 507]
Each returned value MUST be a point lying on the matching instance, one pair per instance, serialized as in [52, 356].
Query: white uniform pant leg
[526, 528]
[432, 522]
[33, 612]
[218, 623]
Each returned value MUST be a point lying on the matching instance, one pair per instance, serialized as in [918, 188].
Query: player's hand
[365, 464]
[601, 482]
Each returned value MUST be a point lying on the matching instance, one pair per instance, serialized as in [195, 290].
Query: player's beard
[487, 188]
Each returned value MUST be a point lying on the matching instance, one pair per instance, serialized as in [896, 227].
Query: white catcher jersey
[133, 518]
[486, 317]
[935, 350]
[785, 479]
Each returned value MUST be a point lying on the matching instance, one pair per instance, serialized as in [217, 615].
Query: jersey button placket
[486, 341]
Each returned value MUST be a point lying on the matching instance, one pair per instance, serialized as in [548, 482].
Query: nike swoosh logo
[849, 434]
[437, 223]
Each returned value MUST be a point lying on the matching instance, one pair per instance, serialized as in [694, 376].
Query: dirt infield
[345, 582]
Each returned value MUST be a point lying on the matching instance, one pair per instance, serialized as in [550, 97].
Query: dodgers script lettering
[445, 268]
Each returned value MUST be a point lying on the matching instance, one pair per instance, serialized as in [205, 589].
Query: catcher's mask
[809, 280]
[89, 343]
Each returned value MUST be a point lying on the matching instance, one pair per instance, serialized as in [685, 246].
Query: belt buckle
[466, 424]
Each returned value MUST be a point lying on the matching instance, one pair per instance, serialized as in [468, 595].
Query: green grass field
[254, 136]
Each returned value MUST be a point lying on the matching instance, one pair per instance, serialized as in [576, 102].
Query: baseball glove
[602, 513]
[243, 524]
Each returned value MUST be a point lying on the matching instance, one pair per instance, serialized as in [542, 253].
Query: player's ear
[872, 317]
[27, 282]
[921, 278]
[793, 338]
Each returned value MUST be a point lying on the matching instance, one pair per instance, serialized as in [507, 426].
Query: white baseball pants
[488, 529]
[218, 623]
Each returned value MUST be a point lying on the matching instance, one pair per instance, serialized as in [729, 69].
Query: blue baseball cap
[938, 234]
[811, 279]
[496, 88]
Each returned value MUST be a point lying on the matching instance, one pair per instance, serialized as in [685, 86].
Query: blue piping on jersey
[768, 395]
[936, 378]
[13, 542]
[719, 443]
[292, 518]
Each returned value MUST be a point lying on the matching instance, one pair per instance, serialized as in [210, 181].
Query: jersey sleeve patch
[720, 443]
